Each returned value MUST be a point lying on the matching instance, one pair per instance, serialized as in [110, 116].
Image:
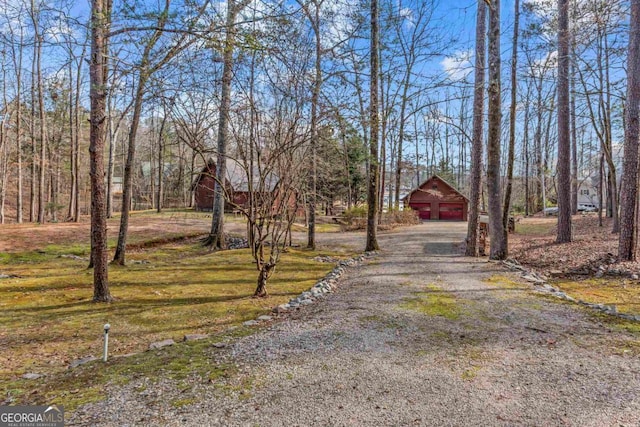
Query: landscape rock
[251, 323]
[282, 308]
[82, 361]
[161, 344]
[195, 337]
[75, 257]
[32, 376]
[600, 271]
[236, 242]
[326, 259]
[533, 279]
[264, 318]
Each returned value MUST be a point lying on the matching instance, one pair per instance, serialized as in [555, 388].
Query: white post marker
[106, 342]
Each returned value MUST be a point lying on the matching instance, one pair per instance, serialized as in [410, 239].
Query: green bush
[360, 211]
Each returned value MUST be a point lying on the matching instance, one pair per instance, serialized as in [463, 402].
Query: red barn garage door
[424, 209]
[451, 211]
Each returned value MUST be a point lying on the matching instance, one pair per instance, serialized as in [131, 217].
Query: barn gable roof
[419, 187]
[237, 176]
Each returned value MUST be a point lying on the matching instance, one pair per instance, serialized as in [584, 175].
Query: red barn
[266, 188]
[436, 199]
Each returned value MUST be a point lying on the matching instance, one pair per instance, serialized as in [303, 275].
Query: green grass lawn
[47, 318]
[320, 228]
[623, 293]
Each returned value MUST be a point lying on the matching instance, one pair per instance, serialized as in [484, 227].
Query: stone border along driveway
[416, 336]
[540, 282]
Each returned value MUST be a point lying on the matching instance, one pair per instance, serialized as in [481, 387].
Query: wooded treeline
[259, 80]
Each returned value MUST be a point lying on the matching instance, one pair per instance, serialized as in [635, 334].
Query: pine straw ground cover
[145, 227]
[47, 318]
[573, 266]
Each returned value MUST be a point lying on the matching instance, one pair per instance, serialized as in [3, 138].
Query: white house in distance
[588, 191]
[589, 177]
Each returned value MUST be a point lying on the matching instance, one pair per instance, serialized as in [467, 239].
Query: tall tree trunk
[564, 136]
[216, 240]
[4, 149]
[160, 188]
[475, 178]
[574, 132]
[498, 243]
[73, 173]
[601, 190]
[100, 23]
[627, 243]
[34, 142]
[615, 202]
[525, 149]
[113, 138]
[537, 147]
[403, 109]
[76, 141]
[18, 67]
[42, 128]
[512, 122]
[384, 102]
[127, 185]
[374, 171]
[315, 98]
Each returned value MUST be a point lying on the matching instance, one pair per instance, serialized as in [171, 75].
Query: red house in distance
[266, 187]
[436, 199]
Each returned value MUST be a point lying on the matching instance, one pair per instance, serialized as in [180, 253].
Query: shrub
[354, 213]
[401, 217]
[356, 219]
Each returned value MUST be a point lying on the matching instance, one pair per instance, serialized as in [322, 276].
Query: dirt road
[416, 336]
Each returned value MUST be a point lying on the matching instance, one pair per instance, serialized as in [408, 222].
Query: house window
[584, 192]
[434, 187]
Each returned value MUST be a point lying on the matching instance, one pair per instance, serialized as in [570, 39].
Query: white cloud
[337, 17]
[407, 14]
[458, 66]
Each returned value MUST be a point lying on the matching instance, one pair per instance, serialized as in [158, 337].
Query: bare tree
[627, 244]
[215, 239]
[16, 46]
[100, 24]
[512, 120]
[412, 46]
[498, 243]
[564, 137]
[374, 172]
[314, 19]
[149, 65]
[478, 132]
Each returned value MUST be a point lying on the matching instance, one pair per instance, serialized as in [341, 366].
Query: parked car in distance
[587, 208]
[553, 210]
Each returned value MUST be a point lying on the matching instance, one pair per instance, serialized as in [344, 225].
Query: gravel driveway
[365, 356]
